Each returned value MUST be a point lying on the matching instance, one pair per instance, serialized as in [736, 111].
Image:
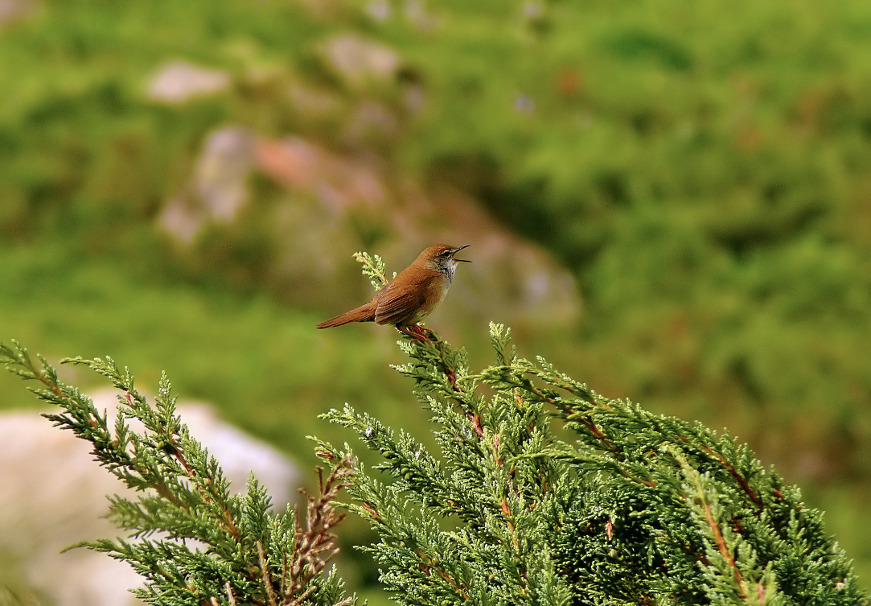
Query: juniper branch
[601, 518]
[242, 552]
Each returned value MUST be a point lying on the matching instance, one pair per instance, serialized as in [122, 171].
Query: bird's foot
[423, 334]
[420, 333]
[415, 332]
[429, 335]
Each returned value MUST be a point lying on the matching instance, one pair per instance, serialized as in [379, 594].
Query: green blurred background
[702, 171]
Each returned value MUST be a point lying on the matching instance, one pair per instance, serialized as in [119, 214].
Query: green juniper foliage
[545, 492]
[193, 541]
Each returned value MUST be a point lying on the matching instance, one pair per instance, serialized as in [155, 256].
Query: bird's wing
[403, 305]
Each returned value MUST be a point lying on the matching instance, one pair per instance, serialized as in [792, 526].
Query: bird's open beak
[458, 250]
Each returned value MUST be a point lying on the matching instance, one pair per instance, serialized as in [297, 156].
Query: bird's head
[441, 257]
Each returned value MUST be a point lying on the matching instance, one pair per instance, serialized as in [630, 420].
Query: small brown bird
[411, 295]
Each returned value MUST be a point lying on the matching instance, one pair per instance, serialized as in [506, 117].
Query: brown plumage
[411, 295]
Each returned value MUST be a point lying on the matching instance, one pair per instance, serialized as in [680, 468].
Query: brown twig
[316, 545]
[742, 481]
[427, 565]
[271, 598]
[724, 550]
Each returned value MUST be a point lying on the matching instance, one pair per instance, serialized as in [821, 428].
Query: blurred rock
[13, 9]
[218, 190]
[379, 10]
[418, 15]
[180, 81]
[371, 124]
[314, 105]
[53, 495]
[358, 63]
[386, 91]
[338, 182]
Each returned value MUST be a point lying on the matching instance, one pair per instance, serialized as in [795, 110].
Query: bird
[411, 295]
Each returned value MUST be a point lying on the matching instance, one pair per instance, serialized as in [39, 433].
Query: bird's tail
[364, 313]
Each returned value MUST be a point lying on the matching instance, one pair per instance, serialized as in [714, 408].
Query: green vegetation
[703, 170]
[636, 508]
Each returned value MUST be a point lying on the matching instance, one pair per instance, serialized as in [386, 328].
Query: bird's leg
[420, 333]
[423, 334]
[415, 332]
[429, 335]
